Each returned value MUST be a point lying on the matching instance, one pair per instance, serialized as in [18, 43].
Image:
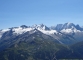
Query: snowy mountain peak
[40, 27]
[68, 25]
[71, 28]
[21, 30]
[24, 26]
[60, 27]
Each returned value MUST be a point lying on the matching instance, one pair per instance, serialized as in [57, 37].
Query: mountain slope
[38, 49]
[37, 46]
[78, 48]
[28, 36]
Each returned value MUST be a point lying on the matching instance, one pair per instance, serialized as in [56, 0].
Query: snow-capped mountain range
[64, 33]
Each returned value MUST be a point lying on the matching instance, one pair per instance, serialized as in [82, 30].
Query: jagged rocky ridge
[67, 33]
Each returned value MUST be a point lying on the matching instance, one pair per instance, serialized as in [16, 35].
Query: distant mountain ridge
[59, 27]
[67, 33]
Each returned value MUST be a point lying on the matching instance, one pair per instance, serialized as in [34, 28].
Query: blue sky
[49, 12]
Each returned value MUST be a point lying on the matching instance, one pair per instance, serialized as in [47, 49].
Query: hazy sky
[49, 12]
